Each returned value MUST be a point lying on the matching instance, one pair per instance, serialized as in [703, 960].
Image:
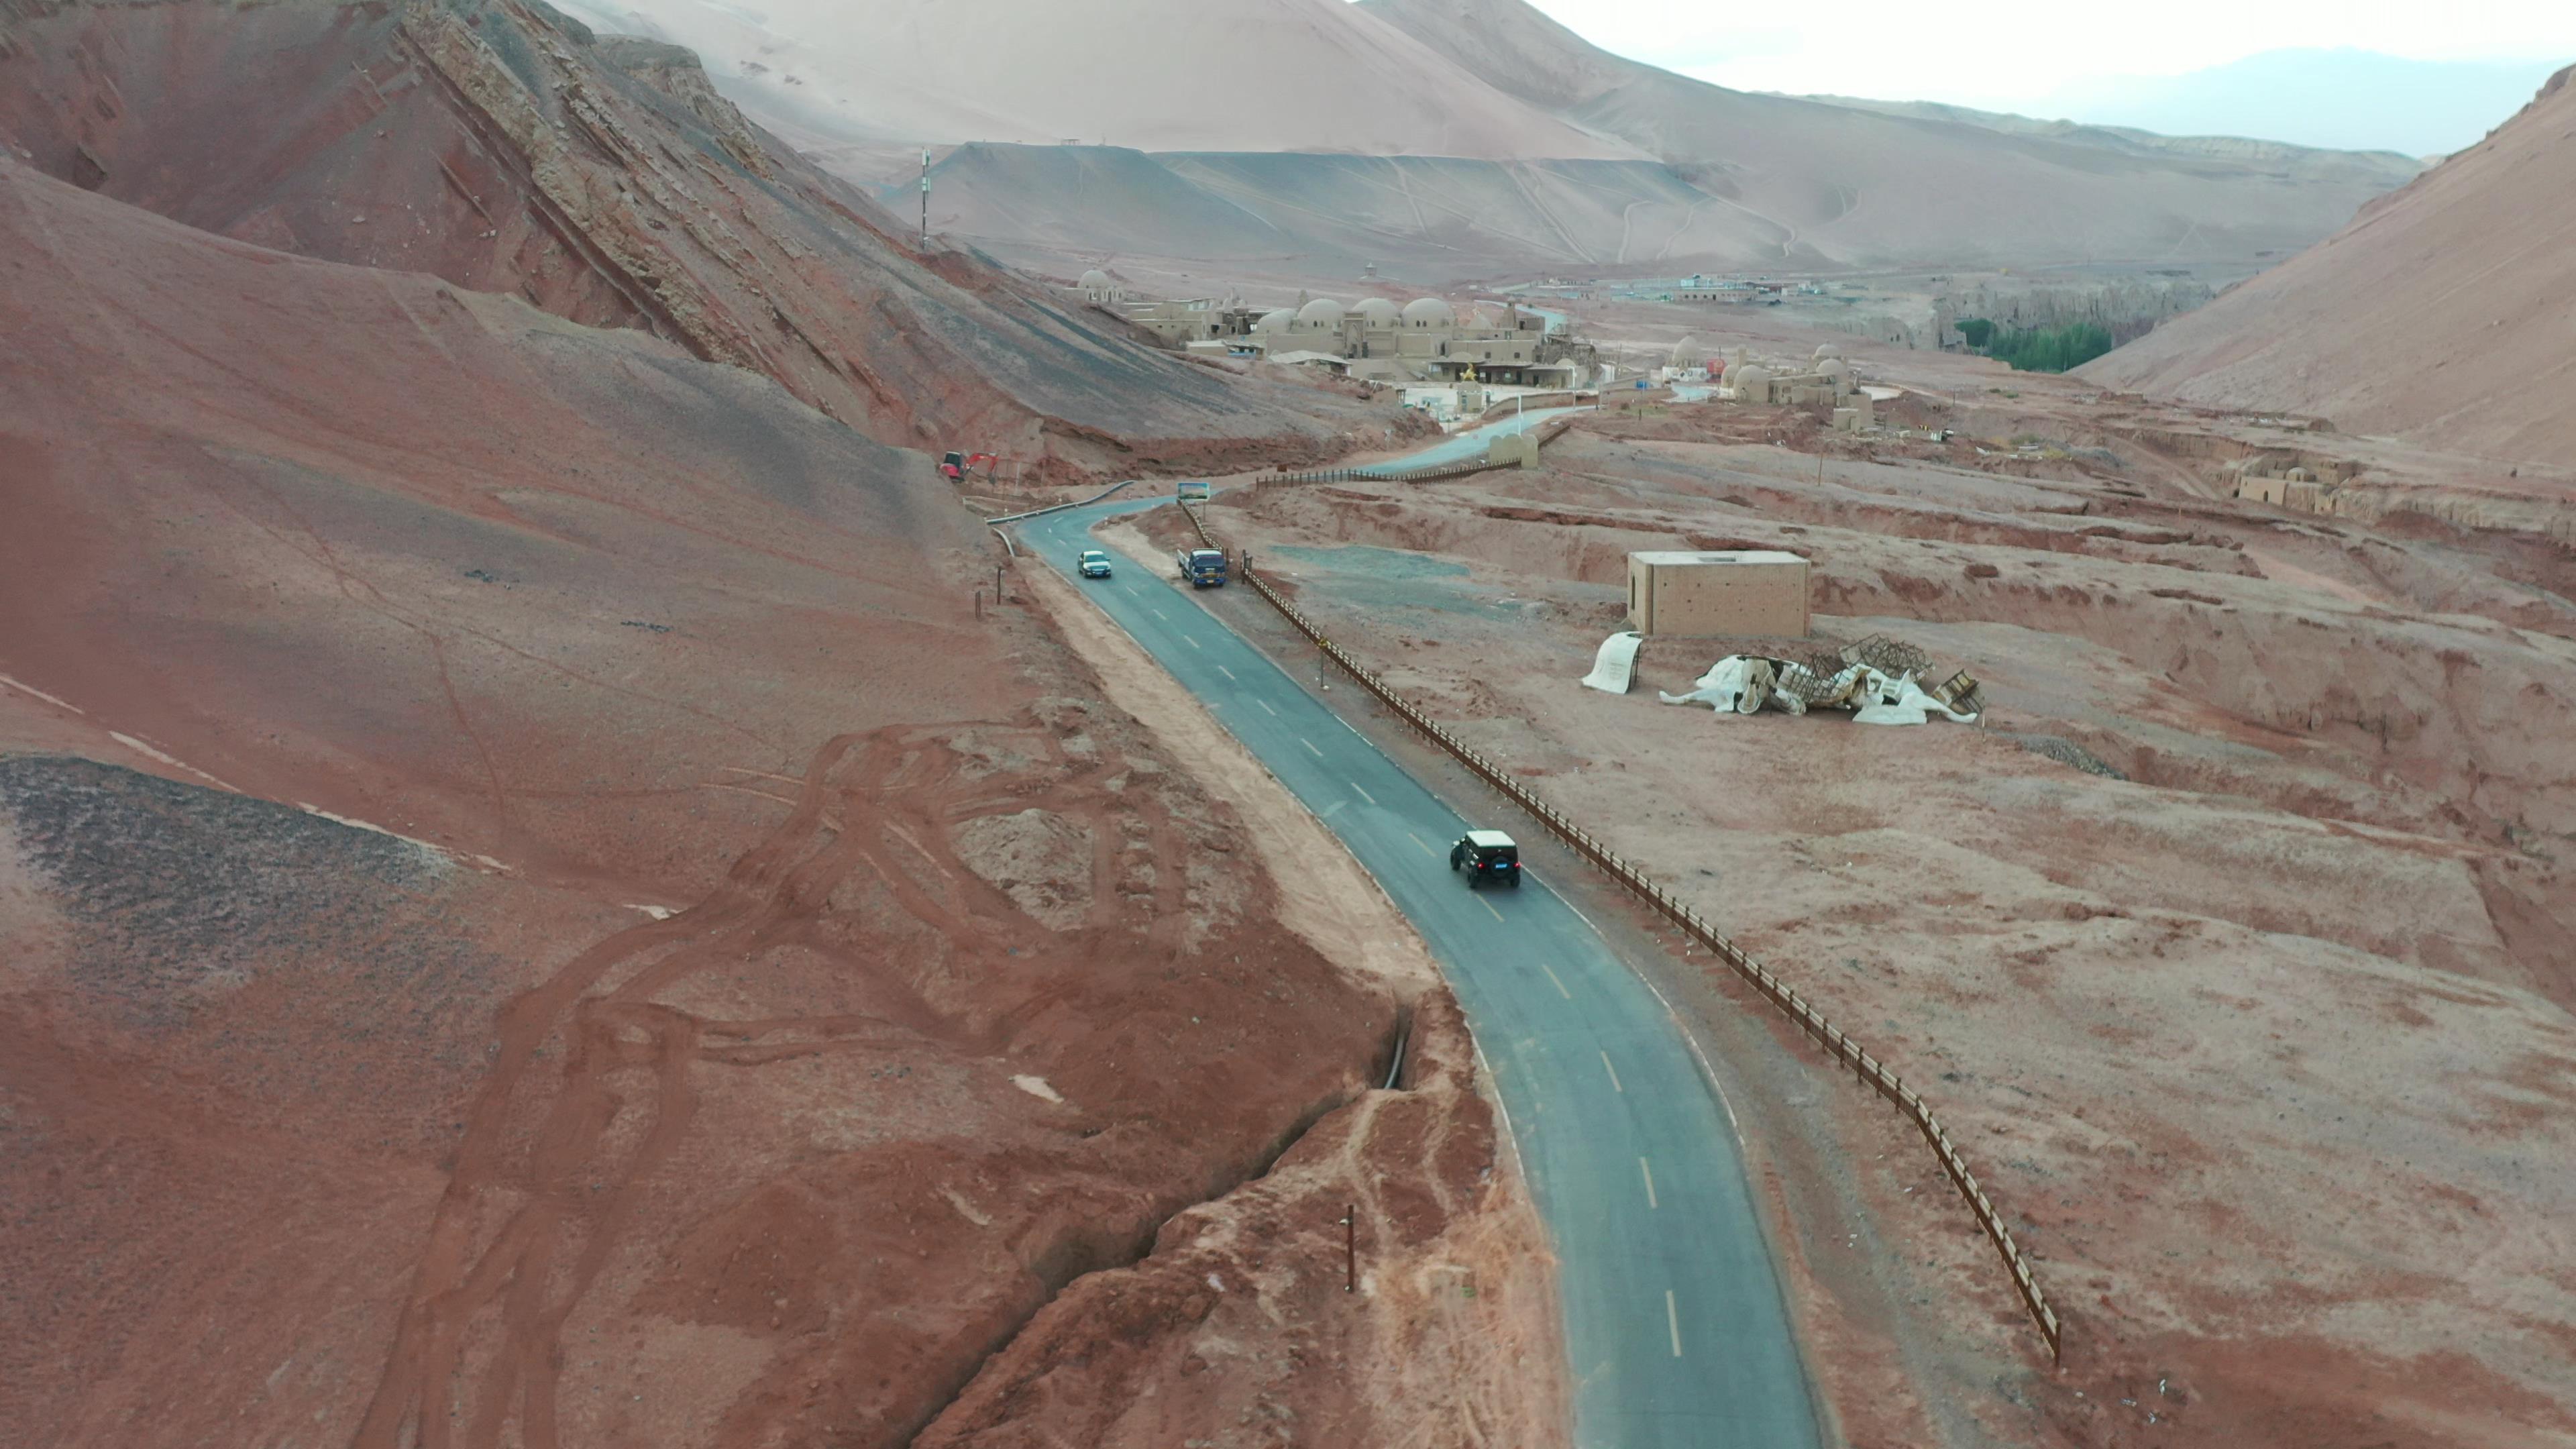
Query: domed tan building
[1320, 315]
[1424, 313]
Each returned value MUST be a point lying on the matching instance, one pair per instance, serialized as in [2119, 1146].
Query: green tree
[1976, 330]
[2050, 349]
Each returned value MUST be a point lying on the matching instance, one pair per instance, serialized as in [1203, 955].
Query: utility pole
[925, 198]
[1351, 1247]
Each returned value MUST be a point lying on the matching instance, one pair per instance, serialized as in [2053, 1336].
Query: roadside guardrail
[1846, 1051]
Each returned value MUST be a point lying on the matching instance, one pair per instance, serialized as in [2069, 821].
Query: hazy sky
[2041, 56]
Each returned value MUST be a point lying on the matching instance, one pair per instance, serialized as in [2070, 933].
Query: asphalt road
[1675, 1324]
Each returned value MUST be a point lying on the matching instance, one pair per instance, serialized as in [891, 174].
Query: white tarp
[1615, 665]
[1740, 684]
[1900, 701]
[1744, 683]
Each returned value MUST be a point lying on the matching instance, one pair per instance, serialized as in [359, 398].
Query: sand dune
[1251, 75]
[1422, 216]
[2440, 315]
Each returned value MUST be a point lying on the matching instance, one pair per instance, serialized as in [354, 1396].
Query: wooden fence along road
[1844, 1049]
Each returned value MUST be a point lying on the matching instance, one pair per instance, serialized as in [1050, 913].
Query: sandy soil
[2232, 939]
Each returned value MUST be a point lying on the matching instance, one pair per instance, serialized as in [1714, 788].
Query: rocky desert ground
[557, 886]
[2232, 938]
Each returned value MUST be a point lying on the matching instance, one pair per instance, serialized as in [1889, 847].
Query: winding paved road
[1675, 1324]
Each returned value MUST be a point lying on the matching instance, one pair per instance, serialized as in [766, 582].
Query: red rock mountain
[721, 1029]
[535, 907]
[2445, 314]
[505, 148]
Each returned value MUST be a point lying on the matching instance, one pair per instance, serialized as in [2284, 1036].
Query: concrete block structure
[1732, 591]
[1827, 383]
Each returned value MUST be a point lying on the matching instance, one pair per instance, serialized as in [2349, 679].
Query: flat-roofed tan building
[1728, 591]
[1425, 340]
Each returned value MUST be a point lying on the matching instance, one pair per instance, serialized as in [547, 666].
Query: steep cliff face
[2440, 315]
[504, 147]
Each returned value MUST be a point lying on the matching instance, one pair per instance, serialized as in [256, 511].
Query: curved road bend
[1675, 1324]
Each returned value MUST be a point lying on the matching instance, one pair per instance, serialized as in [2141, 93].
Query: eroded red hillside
[502, 146]
[758, 985]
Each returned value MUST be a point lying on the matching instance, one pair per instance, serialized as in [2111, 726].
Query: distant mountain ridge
[1870, 188]
[1450, 138]
[2330, 97]
[2395, 167]
[2440, 315]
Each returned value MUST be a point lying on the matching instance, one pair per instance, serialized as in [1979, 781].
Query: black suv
[1487, 855]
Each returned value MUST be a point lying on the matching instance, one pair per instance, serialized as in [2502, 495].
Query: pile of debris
[1877, 679]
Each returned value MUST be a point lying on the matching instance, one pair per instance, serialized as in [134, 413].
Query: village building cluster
[2288, 482]
[1425, 340]
[1825, 380]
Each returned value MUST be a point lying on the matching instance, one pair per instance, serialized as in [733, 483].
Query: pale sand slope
[1865, 188]
[1252, 75]
[2441, 315]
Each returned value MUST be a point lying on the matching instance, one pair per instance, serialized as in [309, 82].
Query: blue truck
[1203, 567]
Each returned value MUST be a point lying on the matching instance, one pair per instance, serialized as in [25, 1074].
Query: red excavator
[958, 465]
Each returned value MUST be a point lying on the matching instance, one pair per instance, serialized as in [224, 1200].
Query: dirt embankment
[1245, 1321]
[2229, 945]
[535, 905]
[1244, 1318]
